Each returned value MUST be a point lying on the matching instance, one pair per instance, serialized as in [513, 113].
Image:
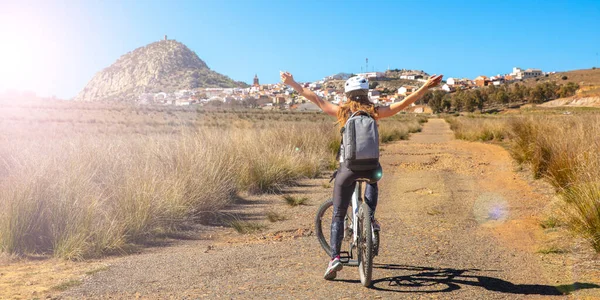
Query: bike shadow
[438, 280]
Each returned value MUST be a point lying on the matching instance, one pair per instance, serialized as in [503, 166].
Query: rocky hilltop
[165, 66]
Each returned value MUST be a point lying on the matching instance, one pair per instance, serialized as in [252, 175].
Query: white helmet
[356, 83]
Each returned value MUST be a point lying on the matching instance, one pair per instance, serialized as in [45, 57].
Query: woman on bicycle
[356, 90]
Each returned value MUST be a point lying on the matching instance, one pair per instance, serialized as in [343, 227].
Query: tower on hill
[255, 80]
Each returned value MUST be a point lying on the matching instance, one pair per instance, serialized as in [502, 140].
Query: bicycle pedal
[345, 257]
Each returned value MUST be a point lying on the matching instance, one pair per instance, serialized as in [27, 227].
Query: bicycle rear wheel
[323, 226]
[365, 245]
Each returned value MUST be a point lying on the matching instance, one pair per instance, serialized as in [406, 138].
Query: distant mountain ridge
[164, 66]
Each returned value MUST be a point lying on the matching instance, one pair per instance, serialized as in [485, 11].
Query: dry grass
[81, 180]
[478, 128]
[550, 222]
[246, 227]
[584, 210]
[295, 201]
[400, 127]
[562, 149]
[552, 250]
[93, 197]
[275, 217]
[67, 284]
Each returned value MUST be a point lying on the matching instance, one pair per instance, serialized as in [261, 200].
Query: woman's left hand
[433, 81]
[286, 77]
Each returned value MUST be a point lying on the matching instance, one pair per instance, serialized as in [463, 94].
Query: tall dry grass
[400, 127]
[562, 149]
[89, 197]
[478, 128]
[81, 194]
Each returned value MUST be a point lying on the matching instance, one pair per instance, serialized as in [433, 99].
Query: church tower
[256, 80]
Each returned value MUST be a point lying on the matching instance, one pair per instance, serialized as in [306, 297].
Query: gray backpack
[360, 142]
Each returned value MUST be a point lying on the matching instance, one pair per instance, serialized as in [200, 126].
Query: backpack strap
[358, 112]
[339, 152]
[354, 114]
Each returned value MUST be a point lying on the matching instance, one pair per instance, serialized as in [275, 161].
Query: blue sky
[55, 47]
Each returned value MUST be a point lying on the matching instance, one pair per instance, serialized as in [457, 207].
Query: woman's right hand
[433, 81]
[286, 77]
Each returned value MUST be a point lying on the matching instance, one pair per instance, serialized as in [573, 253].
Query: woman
[356, 90]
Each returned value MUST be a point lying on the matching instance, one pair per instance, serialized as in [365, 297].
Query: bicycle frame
[356, 200]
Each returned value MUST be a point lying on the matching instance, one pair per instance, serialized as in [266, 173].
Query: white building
[314, 85]
[448, 88]
[339, 76]
[183, 94]
[160, 97]
[374, 95]
[216, 98]
[182, 103]
[369, 75]
[411, 76]
[519, 73]
[213, 92]
[406, 90]
[146, 98]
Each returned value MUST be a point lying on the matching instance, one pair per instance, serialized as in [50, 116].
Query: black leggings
[345, 181]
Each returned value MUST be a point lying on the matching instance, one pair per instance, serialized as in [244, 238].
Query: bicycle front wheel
[323, 226]
[365, 245]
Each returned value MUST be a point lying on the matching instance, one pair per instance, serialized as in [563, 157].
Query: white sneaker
[335, 265]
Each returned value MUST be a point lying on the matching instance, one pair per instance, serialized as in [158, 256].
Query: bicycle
[359, 234]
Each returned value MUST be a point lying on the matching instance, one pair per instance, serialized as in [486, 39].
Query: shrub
[245, 227]
[550, 222]
[564, 77]
[295, 201]
[584, 211]
[478, 129]
[552, 250]
[399, 128]
[274, 217]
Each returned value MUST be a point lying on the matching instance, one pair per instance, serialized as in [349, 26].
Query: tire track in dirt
[456, 223]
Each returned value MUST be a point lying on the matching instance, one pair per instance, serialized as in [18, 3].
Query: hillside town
[280, 96]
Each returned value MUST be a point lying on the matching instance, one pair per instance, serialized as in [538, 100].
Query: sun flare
[27, 57]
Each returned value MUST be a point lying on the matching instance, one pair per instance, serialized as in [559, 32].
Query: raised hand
[286, 77]
[433, 81]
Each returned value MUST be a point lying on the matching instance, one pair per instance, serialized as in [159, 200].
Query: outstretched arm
[326, 106]
[388, 111]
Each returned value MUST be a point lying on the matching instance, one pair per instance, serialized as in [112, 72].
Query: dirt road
[456, 223]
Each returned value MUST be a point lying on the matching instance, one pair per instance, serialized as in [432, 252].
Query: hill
[164, 66]
[390, 83]
[585, 78]
[588, 94]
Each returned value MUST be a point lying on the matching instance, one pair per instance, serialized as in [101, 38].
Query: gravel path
[454, 225]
